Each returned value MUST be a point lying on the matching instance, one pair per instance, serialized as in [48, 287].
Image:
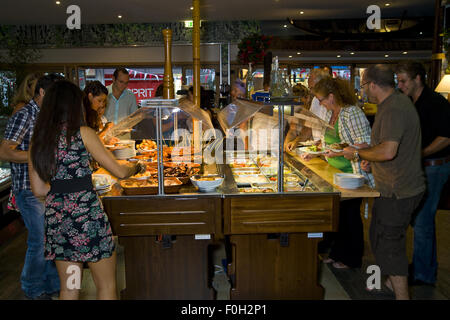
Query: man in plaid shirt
[39, 278]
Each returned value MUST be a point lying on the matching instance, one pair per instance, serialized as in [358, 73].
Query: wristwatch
[355, 155]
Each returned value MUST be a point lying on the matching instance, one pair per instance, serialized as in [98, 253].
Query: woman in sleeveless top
[77, 229]
[95, 95]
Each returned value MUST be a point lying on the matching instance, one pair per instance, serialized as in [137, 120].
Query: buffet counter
[269, 208]
[271, 238]
[327, 172]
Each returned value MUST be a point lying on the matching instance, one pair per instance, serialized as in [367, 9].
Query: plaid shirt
[19, 129]
[354, 128]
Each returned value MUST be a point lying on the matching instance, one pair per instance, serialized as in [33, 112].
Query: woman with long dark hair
[77, 229]
[95, 96]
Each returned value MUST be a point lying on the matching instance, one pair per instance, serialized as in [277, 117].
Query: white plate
[335, 150]
[141, 178]
[102, 191]
[306, 150]
[102, 178]
[103, 187]
[348, 180]
[146, 150]
[308, 143]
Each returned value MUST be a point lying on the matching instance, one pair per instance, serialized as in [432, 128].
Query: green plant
[15, 64]
[253, 48]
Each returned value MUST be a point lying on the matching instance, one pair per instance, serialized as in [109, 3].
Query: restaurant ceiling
[148, 11]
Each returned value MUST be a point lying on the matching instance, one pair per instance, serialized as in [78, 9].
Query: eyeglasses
[362, 86]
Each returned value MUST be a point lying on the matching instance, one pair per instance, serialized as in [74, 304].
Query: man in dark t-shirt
[434, 113]
[395, 158]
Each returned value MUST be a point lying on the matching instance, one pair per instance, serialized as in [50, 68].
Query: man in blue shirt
[121, 101]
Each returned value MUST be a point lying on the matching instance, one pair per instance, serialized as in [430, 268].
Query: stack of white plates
[124, 153]
[348, 180]
[126, 149]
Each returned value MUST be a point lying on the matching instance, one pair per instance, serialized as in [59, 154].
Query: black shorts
[390, 220]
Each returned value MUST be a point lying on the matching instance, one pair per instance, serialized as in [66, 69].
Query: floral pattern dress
[76, 226]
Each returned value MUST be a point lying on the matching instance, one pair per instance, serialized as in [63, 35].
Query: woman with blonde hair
[350, 127]
[25, 92]
[23, 95]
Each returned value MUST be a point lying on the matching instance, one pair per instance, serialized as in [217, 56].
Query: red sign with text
[142, 89]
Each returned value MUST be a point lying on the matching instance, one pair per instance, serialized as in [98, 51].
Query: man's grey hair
[380, 74]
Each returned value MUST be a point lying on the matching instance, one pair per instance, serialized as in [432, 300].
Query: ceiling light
[405, 52]
[387, 4]
[338, 56]
[192, 8]
[119, 16]
[299, 53]
[285, 26]
[386, 55]
[301, 12]
[290, 56]
[420, 32]
[58, 2]
[352, 53]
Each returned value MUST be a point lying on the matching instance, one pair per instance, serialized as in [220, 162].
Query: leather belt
[72, 185]
[436, 162]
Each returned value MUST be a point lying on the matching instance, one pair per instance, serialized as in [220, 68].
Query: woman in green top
[352, 127]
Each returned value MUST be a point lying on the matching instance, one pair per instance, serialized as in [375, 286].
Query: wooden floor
[353, 280]
[338, 284]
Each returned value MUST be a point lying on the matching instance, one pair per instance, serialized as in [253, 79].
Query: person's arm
[105, 130]
[244, 129]
[437, 145]
[105, 158]
[8, 152]
[15, 131]
[305, 134]
[38, 186]
[384, 151]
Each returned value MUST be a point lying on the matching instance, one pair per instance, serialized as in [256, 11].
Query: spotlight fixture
[386, 56]
[58, 2]
[387, 4]
[192, 8]
[299, 53]
[352, 53]
[301, 12]
[405, 52]
[338, 56]
[290, 56]
[119, 16]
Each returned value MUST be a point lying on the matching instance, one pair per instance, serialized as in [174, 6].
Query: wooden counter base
[264, 269]
[157, 273]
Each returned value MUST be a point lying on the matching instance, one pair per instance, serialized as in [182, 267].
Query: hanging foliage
[252, 49]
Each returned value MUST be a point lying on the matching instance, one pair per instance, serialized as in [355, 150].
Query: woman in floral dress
[77, 229]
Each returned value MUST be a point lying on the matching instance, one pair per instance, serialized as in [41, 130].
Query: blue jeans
[38, 275]
[425, 256]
